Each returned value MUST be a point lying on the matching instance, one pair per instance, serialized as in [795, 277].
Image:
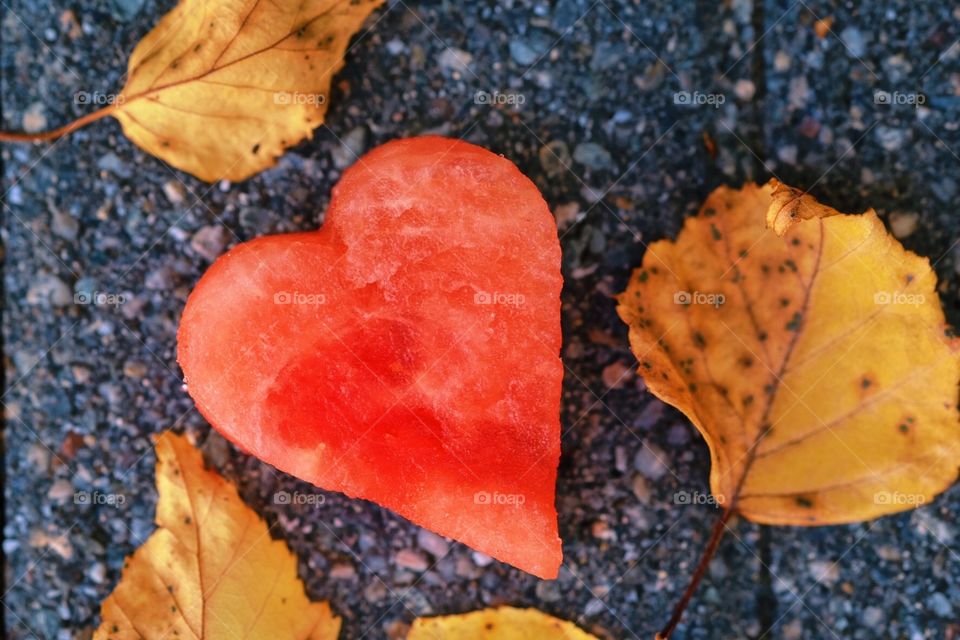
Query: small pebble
[616, 374]
[889, 553]
[39, 457]
[940, 605]
[64, 225]
[70, 25]
[678, 435]
[798, 91]
[111, 163]
[793, 630]
[824, 571]
[61, 491]
[592, 156]
[454, 59]
[787, 154]
[159, 279]
[522, 53]
[210, 241]
[34, 119]
[342, 571]
[481, 559]
[620, 461]
[126, 10]
[395, 47]
[134, 369]
[651, 462]
[641, 489]
[854, 41]
[594, 607]
[350, 148]
[650, 414]
[411, 559]
[466, 569]
[890, 138]
[903, 224]
[555, 157]
[97, 572]
[781, 61]
[396, 630]
[548, 591]
[873, 617]
[744, 90]
[566, 214]
[375, 591]
[432, 543]
[175, 192]
[49, 289]
[602, 531]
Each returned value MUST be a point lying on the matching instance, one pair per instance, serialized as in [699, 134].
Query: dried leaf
[502, 623]
[211, 569]
[818, 366]
[219, 88]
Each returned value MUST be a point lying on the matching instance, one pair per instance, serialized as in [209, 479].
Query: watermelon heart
[405, 353]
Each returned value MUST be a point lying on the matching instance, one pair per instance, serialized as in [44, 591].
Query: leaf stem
[719, 527]
[47, 136]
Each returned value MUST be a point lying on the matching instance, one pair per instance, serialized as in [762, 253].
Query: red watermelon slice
[406, 353]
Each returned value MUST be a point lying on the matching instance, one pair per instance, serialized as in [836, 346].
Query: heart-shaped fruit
[406, 353]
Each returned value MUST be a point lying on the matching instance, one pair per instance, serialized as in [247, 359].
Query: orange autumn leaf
[818, 365]
[211, 569]
[501, 623]
[219, 88]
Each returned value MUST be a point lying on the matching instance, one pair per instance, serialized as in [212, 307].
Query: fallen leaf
[502, 623]
[220, 88]
[211, 569]
[818, 365]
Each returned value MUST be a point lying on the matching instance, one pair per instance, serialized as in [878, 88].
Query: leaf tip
[791, 205]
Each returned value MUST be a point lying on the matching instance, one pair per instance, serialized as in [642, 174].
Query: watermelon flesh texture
[406, 353]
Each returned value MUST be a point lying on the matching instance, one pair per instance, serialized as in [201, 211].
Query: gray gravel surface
[86, 384]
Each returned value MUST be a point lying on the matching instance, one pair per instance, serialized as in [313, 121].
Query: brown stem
[47, 136]
[719, 527]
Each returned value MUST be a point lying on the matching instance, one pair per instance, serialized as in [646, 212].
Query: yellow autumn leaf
[502, 623]
[818, 366]
[219, 88]
[211, 569]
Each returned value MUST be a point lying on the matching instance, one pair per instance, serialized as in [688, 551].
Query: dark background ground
[87, 385]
